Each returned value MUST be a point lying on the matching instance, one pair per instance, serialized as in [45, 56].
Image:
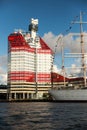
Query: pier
[3, 94]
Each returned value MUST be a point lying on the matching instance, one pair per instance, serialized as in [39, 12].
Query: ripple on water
[43, 116]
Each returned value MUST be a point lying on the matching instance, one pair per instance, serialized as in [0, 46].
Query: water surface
[43, 116]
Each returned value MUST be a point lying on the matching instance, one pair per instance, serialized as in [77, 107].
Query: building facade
[29, 65]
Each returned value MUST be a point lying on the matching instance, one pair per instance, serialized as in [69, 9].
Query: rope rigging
[61, 37]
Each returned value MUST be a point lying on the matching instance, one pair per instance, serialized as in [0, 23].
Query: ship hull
[69, 95]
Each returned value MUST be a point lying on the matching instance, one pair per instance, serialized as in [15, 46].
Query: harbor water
[43, 116]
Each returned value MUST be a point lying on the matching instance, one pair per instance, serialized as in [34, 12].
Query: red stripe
[21, 72]
[29, 76]
[29, 50]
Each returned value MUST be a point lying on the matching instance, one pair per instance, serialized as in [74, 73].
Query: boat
[71, 93]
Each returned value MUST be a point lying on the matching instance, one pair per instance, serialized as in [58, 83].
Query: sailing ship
[74, 94]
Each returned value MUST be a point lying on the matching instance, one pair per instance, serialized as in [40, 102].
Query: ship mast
[63, 67]
[82, 48]
[62, 54]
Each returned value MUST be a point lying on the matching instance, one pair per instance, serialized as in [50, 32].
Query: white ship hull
[69, 95]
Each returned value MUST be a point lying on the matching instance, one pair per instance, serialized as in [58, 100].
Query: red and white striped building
[29, 65]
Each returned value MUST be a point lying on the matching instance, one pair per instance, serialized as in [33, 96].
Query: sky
[54, 17]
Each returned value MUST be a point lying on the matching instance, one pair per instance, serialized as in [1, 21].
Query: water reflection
[25, 116]
[43, 116]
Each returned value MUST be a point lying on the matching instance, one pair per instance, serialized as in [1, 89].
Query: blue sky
[54, 18]
[53, 15]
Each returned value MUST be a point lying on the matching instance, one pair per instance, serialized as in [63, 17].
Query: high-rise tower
[29, 65]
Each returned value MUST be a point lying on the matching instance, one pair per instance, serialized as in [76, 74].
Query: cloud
[3, 60]
[51, 40]
[71, 44]
[56, 69]
[3, 69]
[74, 70]
[3, 78]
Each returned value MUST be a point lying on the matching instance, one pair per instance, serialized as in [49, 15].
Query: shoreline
[53, 101]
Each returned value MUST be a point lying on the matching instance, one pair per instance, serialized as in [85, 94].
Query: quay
[4, 95]
[3, 92]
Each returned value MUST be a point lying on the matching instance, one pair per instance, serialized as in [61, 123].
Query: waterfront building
[29, 65]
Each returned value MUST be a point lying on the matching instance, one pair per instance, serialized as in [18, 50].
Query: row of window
[32, 70]
[28, 54]
[29, 57]
[31, 63]
[21, 57]
[37, 63]
[29, 67]
[24, 49]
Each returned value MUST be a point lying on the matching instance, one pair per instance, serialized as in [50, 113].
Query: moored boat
[73, 94]
[69, 95]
